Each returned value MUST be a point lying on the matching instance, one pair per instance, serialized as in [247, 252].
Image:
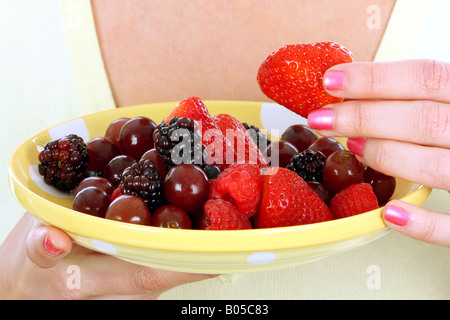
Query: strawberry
[245, 148]
[193, 108]
[241, 185]
[292, 76]
[222, 215]
[287, 200]
[212, 137]
[355, 199]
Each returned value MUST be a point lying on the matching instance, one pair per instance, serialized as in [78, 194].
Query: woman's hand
[35, 261]
[397, 119]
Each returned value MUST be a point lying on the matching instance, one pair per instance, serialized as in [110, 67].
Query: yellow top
[95, 92]
[403, 28]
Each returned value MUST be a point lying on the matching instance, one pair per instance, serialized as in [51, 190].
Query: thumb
[47, 245]
[418, 223]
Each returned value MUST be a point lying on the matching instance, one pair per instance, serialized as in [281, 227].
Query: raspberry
[179, 142]
[261, 140]
[222, 215]
[240, 184]
[63, 162]
[355, 199]
[308, 164]
[143, 180]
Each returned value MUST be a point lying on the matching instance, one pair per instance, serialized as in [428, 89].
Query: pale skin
[151, 56]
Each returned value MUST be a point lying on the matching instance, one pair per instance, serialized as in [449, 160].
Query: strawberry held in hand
[292, 76]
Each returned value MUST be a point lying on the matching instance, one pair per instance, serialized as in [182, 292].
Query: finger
[47, 246]
[421, 122]
[105, 276]
[426, 165]
[404, 80]
[418, 223]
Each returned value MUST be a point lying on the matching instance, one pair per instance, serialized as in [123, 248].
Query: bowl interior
[54, 207]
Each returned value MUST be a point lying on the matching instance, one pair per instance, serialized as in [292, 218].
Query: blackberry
[308, 164]
[63, 162]
[179, 142]
[211, 171]
[143, 180]
[261, 140]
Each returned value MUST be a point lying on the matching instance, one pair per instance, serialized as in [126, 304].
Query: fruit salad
[194, 170]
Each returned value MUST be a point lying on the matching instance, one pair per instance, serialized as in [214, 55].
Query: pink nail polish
[396, 215]
[356, 145]
[333, 80]
[51, 248]
[321, 119]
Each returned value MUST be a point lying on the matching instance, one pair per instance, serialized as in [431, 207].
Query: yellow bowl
[197, 251]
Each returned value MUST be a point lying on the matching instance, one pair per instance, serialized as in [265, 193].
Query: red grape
[101, 151]
[320, 189]
[98, 182]
[326, 145]
[171, 216]
[136, 136]
[342, 169]
[91, 200]
[152, 155]
[114, 169]
[383, 185]
[300, 136]
[113, 130]
[129, 208]
[286, 151]
[186, 186]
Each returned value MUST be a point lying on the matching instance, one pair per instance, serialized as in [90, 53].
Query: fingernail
[51, 248]
[333, 80]
[396, 215]
[356, 145]
[321, 119]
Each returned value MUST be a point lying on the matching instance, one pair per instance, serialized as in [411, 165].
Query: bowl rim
[252, 240]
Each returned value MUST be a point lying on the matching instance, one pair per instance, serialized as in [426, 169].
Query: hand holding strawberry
[397, 121]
